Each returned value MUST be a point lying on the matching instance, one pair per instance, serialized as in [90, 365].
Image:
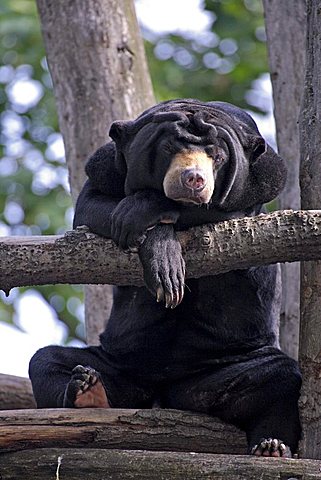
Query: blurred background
[210, 50]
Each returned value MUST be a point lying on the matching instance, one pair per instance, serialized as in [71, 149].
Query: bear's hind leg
[59, 379]
[259, 394]
[275, 433]
[84, 377]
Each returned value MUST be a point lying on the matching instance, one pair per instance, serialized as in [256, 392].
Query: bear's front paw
[85, 389]
[164, 266]
[138, 213]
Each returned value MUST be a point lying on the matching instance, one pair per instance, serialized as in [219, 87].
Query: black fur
[215, 350]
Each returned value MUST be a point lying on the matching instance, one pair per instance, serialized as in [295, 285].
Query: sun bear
[209, 344]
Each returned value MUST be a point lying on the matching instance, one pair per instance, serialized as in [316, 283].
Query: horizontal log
[154, 429]
[15, 393]
[81, 257]
[91, 464]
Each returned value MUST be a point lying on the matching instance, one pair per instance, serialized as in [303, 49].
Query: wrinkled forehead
[176, 131]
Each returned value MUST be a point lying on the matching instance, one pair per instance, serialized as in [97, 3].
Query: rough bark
[285, 27]
[170, 430]
[98, 67]
[72, 464]
[310, 331]
[82, 257]
[15, 393]
[99, 72]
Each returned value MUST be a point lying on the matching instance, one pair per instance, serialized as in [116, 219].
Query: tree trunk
[99, 71]
[310, 332]
[81, 256]
[285, 27]
[93, 464]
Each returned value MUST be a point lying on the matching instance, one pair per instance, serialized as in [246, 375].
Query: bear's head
[198, 153]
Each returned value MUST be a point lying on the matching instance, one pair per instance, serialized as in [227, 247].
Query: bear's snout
[194, 178]
[190, 177]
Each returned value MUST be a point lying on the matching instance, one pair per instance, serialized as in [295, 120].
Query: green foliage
[220, 64]
[34, 197]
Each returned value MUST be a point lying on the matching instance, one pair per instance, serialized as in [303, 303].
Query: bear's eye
[218, 159]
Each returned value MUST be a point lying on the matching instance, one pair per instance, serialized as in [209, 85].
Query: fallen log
[91, 464]
[81, 257]
[155, 429]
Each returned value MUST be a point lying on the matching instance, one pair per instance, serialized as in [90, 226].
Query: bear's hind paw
[85, 389]
[271, 447]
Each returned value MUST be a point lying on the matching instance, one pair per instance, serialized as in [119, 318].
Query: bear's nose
[193, 178]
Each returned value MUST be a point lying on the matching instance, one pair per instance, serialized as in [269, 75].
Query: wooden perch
[132, 444]
[154, 429]
[92, 464]
[81, 257]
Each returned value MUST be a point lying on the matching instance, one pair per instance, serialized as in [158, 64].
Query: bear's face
[191, 175]
[198, 153]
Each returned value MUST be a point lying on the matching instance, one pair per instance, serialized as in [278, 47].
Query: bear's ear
[261, 181]
[117, 129]
[103, 173]
[121, 132]
[257, 147]
[267, 171]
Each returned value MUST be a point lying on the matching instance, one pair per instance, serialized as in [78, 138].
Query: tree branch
[81, 257]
